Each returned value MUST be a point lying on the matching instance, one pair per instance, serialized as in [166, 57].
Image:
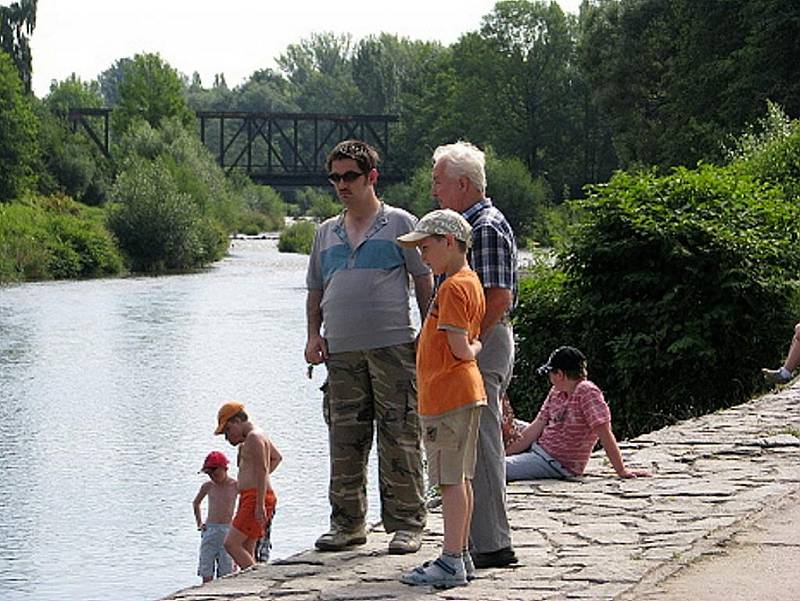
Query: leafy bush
[551, 228]
[414, 195]
[191, 166]
[516, 193]
[266, 202]
[54, 238]
[318, 204]
[297, 238]
[70, 164]
[677, 288]
[542, 322]
[770, 152]
[232, 205]
[158, 226]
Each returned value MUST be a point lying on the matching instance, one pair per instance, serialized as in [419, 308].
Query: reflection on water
[108, 399]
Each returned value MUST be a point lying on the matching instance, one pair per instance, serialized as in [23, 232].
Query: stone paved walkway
[600, 538]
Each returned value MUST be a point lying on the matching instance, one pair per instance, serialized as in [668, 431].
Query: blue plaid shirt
[493, 255]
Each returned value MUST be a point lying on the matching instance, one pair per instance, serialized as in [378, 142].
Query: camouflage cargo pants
[365, 390]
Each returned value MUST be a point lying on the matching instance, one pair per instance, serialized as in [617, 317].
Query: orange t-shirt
[444, 382]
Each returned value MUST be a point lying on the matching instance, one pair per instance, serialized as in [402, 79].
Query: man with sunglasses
[358, 285]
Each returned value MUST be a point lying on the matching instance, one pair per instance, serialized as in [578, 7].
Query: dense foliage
[160, 227]
[624, 83]
[171, 199]
[673, 79]
[297, 238]
[55, 237]
[150, 91]
[18, 130]
[70, 164]
[677, 287]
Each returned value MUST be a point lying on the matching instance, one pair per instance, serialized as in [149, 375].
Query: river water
[108, 397]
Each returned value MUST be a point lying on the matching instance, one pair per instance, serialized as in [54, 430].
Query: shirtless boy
[221, 492]
[258, 457]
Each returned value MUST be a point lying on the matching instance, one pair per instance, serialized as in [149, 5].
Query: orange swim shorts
[245, 519]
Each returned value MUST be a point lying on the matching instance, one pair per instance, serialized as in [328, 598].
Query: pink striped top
[570, 422]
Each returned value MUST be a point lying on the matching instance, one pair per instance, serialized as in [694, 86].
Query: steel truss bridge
[279, 149]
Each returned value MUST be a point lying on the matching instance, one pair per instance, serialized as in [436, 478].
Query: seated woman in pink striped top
[558, 443]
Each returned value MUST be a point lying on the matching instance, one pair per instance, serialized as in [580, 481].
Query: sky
[234, 37]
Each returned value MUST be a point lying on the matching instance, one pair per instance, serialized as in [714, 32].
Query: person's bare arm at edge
[275, 457]
[423, 289]
[609, 441]
[316, 349]
[201, 494]
[498, 300]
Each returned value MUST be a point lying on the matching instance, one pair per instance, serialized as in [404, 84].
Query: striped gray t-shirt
[365, 291]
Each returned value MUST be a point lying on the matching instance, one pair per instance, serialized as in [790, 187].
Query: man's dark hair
[361, 152]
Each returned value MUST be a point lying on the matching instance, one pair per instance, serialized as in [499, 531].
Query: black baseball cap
[564, 358]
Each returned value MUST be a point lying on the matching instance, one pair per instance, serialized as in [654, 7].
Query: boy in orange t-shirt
[450, 389]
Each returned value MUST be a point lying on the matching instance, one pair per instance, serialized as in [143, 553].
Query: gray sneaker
[775, 376]
[337, 540]
[438, 574]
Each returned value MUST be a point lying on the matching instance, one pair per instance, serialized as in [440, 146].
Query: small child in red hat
[221, 490]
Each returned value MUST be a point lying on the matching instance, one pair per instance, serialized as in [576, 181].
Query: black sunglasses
[348, 177]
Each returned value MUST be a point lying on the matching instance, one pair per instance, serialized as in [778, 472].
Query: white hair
[463, 159]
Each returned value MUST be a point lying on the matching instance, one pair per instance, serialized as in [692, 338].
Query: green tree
[675, 79]
[514, 86]
[386, 67]
[73, 92]
[110, 80]
[152, 91]
[17, 22]
[769, 151]
[71, 164]
[624, 52]
[265, 90]
[428, 115]
[520, 197]
[18, 131]
[414, 194]
[319, 73]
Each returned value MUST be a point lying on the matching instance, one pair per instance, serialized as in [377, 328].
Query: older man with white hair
[459, 183]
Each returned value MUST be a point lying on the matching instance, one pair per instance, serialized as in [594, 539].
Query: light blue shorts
[213, 553]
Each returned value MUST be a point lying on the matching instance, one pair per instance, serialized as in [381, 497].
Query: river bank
[601, 538]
